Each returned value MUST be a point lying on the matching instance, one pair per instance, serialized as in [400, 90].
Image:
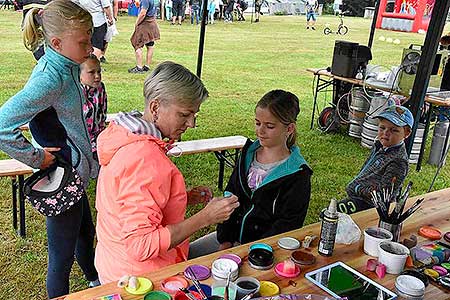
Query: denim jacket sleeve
[38, 94]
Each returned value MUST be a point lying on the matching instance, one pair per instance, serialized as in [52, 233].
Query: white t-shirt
[95, 8]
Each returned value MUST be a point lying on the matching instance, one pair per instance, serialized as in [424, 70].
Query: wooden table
[330, 79]
[16, 171]
[435, 211]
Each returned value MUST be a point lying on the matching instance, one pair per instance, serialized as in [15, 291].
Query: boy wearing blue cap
[387, 164]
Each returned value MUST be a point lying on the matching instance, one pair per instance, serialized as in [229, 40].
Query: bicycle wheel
[342, 30]
[327, 31]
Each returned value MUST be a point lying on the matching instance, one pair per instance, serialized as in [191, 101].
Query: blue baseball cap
[398, 115]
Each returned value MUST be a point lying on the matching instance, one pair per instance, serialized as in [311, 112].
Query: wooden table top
[435, 211]
[324, 72]
[12, 167]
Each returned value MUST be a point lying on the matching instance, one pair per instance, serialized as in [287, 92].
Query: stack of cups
[373, 236]
[393, 255]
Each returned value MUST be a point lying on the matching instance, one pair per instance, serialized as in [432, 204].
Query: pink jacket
[139, 192]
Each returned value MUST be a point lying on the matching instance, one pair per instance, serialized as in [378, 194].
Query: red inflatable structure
[407, 15]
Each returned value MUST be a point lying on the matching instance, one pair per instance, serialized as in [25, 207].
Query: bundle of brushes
[382, 201]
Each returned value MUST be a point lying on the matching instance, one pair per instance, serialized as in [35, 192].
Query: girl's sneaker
[136, 70]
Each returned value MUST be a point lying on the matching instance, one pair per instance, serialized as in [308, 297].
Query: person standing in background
[311, 9]
[146, 32]
[112, 29]
[168, 8]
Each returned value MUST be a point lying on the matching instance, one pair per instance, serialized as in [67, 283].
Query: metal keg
[437, 143]
[369, 132]
[359, 106]
[378, 103]
[417, 144]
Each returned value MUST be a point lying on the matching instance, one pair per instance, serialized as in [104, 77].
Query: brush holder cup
[395, 229]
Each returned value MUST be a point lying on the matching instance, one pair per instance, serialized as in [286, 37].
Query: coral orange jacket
[139, 192]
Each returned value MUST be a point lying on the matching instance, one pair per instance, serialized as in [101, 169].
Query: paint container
[395, 229]
[287, 269]
[418, 275]
[288, 243]
[182, 296]
[260, 259]
[200, 272]
[246, 285]
[373, 236]
[236, 258]
[268, 289]
[441, 270]
[145, 285]
[218, 289]
[157, 295]
[302, 258]
[393, 255]
[261, 246]
[173, 284]
[409, 287]
[222, 267]
[447, 237]
[205, 288]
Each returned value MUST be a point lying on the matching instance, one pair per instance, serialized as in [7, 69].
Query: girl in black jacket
[271, 179]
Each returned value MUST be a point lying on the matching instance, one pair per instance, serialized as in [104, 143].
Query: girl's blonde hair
[285, 107]
[56, 18]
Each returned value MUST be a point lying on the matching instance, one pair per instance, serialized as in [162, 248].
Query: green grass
[242, 61]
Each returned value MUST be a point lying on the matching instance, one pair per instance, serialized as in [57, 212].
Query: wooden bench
[226, 150]
[16, 171]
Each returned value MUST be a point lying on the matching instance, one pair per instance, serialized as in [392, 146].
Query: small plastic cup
[246, 285]
[218, 289]
[373, 236]
[393, 255]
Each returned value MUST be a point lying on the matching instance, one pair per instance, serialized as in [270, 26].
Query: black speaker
[348, 57]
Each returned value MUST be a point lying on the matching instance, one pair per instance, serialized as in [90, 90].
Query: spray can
[328, 229]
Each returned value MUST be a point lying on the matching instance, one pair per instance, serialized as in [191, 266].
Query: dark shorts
[177, 8]
[310, 15]
[98, 36]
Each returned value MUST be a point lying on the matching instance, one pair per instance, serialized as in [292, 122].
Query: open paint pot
[205, 288]
[418, 275]
[393, 255]
[260, 259]
[373, 236]
[222, 267]
[157, 295]
[182, 296]
[199, 272]
[268, 289]
[302, 258]
[246, 285]
[145, 286]
[236, 258]
[287, 269]
[173, 284]
[409, 287]
[218, 289]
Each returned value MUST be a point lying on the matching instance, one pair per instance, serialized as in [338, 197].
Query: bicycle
[342, 29]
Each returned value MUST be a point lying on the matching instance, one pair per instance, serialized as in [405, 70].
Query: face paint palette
[432, 259]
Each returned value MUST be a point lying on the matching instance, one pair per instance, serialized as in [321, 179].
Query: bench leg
[221, 169]
[21, 207]
[14, 202]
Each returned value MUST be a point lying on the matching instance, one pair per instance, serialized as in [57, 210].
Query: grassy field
[242, 61]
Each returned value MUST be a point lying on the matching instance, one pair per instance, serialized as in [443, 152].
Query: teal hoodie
[54, 82]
